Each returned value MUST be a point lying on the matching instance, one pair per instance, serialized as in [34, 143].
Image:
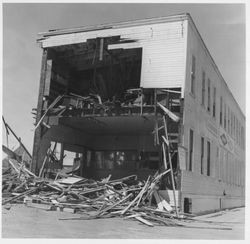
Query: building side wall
[163, 49]
[224, 187]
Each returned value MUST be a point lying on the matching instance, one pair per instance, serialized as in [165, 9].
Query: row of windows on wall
[228, 170]
[205, 87]
[203, 144]
[231, 124]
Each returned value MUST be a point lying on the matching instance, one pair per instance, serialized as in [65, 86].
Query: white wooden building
[161, 60]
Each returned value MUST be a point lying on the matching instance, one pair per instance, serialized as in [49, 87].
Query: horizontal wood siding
[163, 62]
[163, 49]
[225, 185]
[195, 184]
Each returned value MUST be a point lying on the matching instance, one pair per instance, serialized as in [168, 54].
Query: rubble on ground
[126, 197]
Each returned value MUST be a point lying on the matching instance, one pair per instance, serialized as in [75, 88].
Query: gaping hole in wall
[92, 68]
[94, 88]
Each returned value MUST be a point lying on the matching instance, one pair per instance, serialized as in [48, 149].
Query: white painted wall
[224, 164]
[163, 49]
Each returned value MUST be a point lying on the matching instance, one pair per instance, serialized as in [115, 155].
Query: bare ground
[24, 222]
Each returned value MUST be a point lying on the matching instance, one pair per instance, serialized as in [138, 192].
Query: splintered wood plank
[158, 201]
[144, 221]
[169, 113]
[47, 77]
[165, 204]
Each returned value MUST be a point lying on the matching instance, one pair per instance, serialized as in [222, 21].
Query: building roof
[115, 25]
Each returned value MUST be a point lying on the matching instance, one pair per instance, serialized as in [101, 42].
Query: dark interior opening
[91, 68]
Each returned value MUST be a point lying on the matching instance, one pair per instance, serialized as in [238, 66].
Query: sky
[222, 27]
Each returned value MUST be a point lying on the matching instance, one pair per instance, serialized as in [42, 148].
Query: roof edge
[122, 24]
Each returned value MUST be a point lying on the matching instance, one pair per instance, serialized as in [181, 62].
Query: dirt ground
[24, 222]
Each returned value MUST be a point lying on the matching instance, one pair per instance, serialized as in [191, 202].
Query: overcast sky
[222, 27]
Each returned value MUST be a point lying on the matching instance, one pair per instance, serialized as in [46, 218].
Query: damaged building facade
[115, 99]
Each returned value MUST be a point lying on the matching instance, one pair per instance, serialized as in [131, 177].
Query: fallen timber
[125, 198]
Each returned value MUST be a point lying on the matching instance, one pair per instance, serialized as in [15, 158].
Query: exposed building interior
[94, 88]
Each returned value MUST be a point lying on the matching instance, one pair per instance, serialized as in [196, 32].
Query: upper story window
[225, 116]
[234, 126]
[203, 88]
[236, 130]
[214, 102]
[231, 123]
[242, 137]
[193, 75]
[208, 94]
[221, 107]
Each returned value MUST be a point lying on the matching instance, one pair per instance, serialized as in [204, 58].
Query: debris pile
[126, 197]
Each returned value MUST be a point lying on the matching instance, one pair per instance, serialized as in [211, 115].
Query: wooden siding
[163, 45]
[225, 159]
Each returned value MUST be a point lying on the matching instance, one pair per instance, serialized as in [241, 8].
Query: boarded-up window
[208, 94]
[193, 75]
[203, 88]
[214, 102]
[191, 148]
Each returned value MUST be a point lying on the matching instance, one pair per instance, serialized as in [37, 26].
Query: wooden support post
[101, 49]
[155, 101]
[164, 156]
[44, 162]
[141, 101]
[38, 131]
[171, 166]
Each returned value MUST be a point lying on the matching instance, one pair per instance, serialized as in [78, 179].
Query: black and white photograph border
[125, 121]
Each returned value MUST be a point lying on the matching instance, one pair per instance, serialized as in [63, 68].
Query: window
[191, 147]
[234, 127]
[242, 137]
[203, 88]
[221, 111]
[202, 153]
[214, 102]
[208, 158]
[231, 122]
[208, 95]
[225, 116]
[228, 120]
[193, 75]
[236, 130]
